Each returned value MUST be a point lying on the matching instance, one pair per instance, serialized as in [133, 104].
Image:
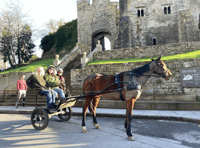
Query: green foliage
[65, 37]
[188, 55]
[47, 42]
[197, 98]
[159, 81]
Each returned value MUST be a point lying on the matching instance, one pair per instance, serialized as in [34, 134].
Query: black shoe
[54, 105]
[50, 106]
[24, 105]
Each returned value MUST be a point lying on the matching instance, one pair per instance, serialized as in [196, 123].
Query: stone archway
[99, 35]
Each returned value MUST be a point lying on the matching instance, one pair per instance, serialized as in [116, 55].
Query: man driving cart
[37, 82]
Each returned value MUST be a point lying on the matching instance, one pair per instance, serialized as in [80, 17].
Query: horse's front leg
[95, 104]
[130, 104]
[85, 107]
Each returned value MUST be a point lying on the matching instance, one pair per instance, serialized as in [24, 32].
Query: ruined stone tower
[132, 23]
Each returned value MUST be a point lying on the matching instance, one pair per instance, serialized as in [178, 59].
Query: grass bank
[31, 67]
[188, 55]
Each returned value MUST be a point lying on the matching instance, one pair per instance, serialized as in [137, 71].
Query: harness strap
[117, 80]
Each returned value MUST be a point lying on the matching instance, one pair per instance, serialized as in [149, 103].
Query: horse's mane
[142, 69]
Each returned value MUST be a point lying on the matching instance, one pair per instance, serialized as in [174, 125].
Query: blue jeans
[60, 92]
[50, 98]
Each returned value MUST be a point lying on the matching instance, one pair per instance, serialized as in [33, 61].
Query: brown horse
[129, 85]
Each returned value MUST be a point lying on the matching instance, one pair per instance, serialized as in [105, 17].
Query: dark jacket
[37, 82]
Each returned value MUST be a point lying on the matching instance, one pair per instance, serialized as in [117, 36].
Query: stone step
[149, 96]
[20, 104]
[164, 97]
[140, 105]
[27, 100]
[147, 105]
[144, 97]
[33, 97]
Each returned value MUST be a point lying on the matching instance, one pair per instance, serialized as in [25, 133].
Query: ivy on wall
[64, 38]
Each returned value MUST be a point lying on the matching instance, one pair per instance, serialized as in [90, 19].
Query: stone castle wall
[156, 24]
[9, 81]
[153, 85]
[124, 28]
[148, 51]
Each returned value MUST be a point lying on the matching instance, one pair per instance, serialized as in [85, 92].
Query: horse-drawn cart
[40, 115]
[126, 86]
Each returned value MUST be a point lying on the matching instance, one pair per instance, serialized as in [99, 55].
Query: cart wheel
[39, 119]
[67, 115]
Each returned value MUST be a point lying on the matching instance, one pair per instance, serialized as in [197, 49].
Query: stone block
[107, 104]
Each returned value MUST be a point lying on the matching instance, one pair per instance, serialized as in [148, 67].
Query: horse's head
[161, 68]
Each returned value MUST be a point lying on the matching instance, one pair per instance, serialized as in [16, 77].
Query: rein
[134, 74]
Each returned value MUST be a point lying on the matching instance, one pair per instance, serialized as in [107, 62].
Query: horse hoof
[131, 138]
[97, 126]
[84, 130]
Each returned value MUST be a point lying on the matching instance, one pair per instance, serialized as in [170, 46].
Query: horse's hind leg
[130, 104]
[85, 107]
[95, 104]
[125, 122]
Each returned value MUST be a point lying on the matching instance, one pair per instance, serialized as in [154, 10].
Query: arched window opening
[99, 1]
[91, 1]
[154, 41]
[165, 10]
[169, 10]
[138, 13]
[142, 12]
[107, 43]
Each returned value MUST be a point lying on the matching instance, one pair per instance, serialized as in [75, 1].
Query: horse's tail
[91, 107]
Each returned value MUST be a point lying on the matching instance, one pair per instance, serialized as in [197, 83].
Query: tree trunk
[10, 62]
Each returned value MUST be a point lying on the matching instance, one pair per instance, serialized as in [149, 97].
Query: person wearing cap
[38, 82]
[21, 88]
[53, 81]
[62, 82]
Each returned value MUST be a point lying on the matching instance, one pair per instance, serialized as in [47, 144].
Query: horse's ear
[152, 59]
[159, 58]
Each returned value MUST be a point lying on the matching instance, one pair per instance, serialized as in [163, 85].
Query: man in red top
[21, 88]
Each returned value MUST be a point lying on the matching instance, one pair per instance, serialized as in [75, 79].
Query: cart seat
[38, 95]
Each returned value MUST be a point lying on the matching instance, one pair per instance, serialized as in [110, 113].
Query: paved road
[17, 131]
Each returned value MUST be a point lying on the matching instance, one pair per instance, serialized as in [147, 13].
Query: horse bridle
[165, 72]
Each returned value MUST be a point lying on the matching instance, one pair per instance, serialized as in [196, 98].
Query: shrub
[47, 42]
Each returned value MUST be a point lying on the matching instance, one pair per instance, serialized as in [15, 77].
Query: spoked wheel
[67, 115]
[39, 119]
